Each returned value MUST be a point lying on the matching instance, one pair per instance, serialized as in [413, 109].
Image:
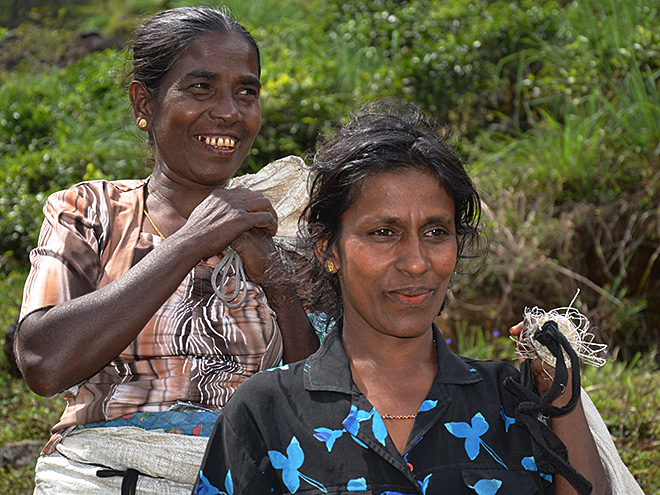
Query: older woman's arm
[64, 344]
[60, 346]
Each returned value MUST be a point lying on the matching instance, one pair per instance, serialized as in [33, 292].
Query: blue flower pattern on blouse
[328, 436]
[472, 434]
[486, 487]
[529, 463]
[508, 420]
[424, 485]
[352, 426]
[289, 464]
[356, 485]
[295, 457]
[427, 405]
[204, 487]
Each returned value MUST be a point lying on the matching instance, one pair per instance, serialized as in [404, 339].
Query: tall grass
[570, 179]
[582, 156]
[558, 158]
[630, 78]
[591, 123]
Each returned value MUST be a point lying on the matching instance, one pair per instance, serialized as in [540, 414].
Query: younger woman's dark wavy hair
[385, 136]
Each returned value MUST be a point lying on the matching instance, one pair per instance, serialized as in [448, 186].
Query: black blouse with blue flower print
[307, 429]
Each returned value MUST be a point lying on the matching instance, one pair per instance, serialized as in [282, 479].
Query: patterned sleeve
[228, 468]
[66, 261]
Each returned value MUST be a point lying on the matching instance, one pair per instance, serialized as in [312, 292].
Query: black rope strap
[128, 484]
[550, 453]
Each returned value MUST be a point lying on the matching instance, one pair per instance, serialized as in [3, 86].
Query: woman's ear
[326, 257]
[143, 105]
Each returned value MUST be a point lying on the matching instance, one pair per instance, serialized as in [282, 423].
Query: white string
[284, 183]
[229, 261]
[572, 324]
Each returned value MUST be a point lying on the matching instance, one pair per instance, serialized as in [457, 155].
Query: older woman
[119, 312]
[384, 407]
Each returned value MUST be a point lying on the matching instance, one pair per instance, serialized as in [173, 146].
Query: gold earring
[142, 123]
[329, 266]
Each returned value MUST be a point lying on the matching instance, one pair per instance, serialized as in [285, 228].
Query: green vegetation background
[554, 105]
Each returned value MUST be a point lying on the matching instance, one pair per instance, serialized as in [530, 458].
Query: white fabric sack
[170, 462]
[620, 479]
[285, 183]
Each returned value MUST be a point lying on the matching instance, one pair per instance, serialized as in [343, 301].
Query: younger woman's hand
[515, 332]
[543, 373]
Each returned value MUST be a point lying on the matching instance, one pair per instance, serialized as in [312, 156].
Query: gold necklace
[396, 416]
[153, 224]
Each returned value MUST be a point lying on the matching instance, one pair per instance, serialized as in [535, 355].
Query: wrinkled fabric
[182, 419]
[621, 480]
[193, 349]
[167, 462]
[285, 182]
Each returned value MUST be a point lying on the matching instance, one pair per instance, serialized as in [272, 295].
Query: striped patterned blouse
[193, 350]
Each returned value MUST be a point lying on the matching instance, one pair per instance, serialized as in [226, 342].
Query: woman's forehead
[215, 49]
[401, 188]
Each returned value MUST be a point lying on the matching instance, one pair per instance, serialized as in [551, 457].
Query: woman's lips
[412, 297]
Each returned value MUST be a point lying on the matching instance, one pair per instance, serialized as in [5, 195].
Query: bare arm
[257, 249]
[61, 346]
[573, 430]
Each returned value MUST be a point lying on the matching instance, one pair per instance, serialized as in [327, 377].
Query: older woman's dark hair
[160, 41]
[385, 136]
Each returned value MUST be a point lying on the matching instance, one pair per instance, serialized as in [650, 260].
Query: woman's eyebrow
[251, 81]
[247, 80]
[200, 74]
[443, 219]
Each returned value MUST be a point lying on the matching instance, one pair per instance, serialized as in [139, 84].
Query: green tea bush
[555, 105]
[573, 195]
[442, 56]
[445, 56]
[58, 128]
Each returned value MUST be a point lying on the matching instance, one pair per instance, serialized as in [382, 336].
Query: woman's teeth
[218, 142]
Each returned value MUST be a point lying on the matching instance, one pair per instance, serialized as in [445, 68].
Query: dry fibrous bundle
[572, 324]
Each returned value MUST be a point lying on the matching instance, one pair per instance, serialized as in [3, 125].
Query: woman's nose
[226, 109]
[413, 258]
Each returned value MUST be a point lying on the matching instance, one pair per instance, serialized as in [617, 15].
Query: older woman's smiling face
[208, 113]
[396, 253]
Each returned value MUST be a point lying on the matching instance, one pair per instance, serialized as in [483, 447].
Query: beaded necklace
[395, 416]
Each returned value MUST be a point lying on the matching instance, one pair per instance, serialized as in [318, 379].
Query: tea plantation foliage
[554, 105]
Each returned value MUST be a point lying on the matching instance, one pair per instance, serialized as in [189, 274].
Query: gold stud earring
[142, 123]
[329, 266]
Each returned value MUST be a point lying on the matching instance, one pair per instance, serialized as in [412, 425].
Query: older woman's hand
[256, 248]
[223, 217]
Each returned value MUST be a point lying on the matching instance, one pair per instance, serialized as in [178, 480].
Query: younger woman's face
[396, 253]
